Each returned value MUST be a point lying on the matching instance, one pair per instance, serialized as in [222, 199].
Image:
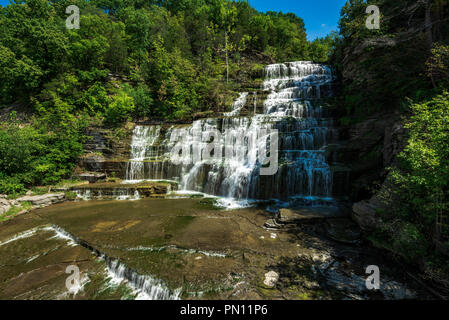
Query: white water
[143, 138]
[144, 287]
[22, 235]
[116, 194]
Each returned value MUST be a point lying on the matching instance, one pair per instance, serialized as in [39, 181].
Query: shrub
[11, 185]
[120, 107]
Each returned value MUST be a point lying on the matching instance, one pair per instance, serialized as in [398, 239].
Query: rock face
[92, 177]
[371, 146]
[394, 141]
[271, 278]
[103, 141]
[96, 163]
[43, 200]
[363, 154]
[365, 214]
[105, 152]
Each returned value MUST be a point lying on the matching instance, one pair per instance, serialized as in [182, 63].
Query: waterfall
[232, 170]
[142, 140]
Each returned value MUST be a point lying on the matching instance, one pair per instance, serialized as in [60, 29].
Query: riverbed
[183, 249]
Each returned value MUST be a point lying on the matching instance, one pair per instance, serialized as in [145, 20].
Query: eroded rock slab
[123, 191]
[92, 177]
[301, 215]
[43, 200]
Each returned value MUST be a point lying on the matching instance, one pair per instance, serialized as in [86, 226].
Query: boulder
[365, 213]
[342, 230]
[4, 206]
[300, 215]
[271, 278]
[271, 224]
[43, 200]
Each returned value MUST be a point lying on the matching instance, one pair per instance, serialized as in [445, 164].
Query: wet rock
[92, 177]
[122, 191]
[342, 230]
[393, 290]
[4, 206]
[349, 283]
[290, 216]
[271, 278]
[103, 142]
[95, 163]
[311, 285]
[43, 200]
[61, 189]
[271, 224]
[345, 277]
[365, 213]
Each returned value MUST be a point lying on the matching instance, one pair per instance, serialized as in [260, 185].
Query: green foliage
[37, 153]
[173, 81]
[321, 48]
[438, 65]
[11, 185]
[418, 195]
[403, 238]
[143, 100]
[425, 159]
[120, 107]
[174, 52]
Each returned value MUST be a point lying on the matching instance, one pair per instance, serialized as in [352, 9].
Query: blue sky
[320, 16]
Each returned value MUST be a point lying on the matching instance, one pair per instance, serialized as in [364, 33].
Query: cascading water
[143, 139]
[292, 108]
